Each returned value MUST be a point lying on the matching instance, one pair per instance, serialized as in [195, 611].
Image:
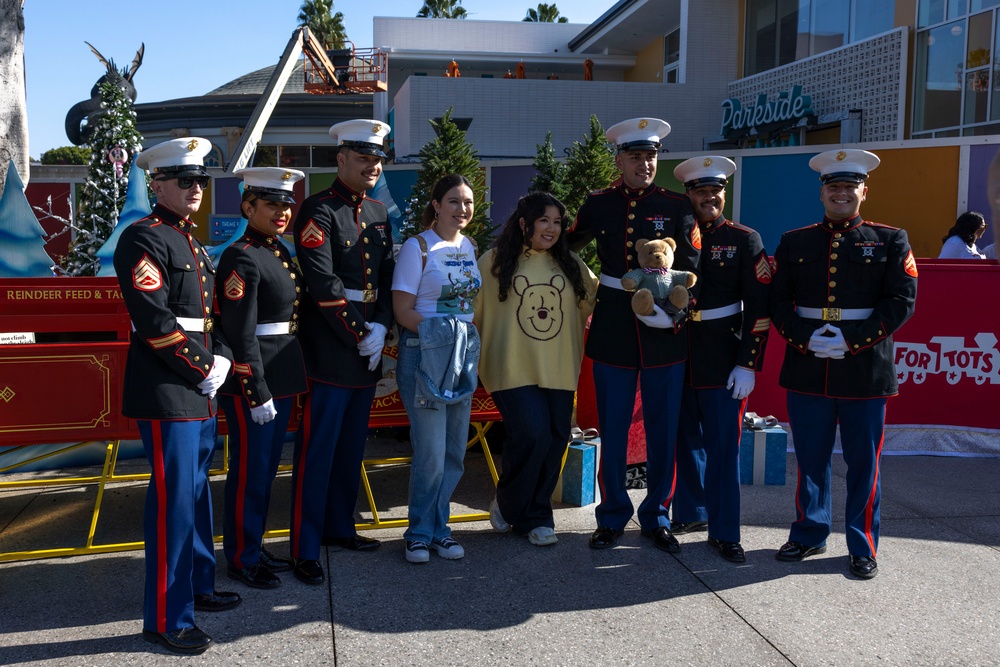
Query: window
[779, 32]
[671, 56]
[937, 97]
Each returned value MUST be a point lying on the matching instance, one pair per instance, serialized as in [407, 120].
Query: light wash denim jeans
[439, 436]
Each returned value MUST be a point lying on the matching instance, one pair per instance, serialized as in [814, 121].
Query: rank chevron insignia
[311, 236]
[763, 270]
[235, 287]
[146, 275]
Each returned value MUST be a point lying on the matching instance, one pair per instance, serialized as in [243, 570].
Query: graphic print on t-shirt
[540, 313]
[460, 270]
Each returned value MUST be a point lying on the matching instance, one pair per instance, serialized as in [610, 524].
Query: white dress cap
[271, 183]
[177, 155]
[362, 136]
[705, 170]
[847, 164]
[638, 134]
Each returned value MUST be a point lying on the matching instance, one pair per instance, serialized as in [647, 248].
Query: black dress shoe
[731, 551]
[257, 575]
[352, 543]
[688, 527]
[189, 641]
[273, 563]
[217, 601]
[863, 567]
[796, 551]
[605, 538]
[664, 540]
[308, 572]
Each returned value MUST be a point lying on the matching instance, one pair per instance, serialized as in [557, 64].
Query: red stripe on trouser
[870, 505]
[300, 471]
[161, 526]
[241, 486]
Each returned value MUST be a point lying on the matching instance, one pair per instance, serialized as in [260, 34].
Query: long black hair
[512, 241]
[440, 189]
[966, 227]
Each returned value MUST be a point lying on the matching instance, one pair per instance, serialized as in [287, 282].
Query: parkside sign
[789, 107]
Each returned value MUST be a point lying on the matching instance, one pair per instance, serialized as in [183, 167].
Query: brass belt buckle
[831, 314]
[209, 324]
[368, 296]
[293, 327]
[696, 316]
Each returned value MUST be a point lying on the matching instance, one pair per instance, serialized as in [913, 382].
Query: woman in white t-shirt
[433, 287]
[960, 241]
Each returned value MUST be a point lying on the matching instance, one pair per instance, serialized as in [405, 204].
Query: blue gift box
[576, 484]
[763, 456]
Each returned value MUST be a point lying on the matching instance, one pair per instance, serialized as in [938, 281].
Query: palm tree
[13, 110]
[318, 16]
[442, 9]
[545, 13]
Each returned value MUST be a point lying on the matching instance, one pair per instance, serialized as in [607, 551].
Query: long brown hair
[438, 192]
[510, 244]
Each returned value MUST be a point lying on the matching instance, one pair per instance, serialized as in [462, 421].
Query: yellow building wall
[648, 66]
[916, 189]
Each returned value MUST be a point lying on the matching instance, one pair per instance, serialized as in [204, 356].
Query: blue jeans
[537, 421]
[439, 437]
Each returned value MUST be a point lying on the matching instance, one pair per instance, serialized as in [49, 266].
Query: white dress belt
[833, 314]
[192, 324]
[274, 328]
[608, 281]
[717, 313]
[361, 295]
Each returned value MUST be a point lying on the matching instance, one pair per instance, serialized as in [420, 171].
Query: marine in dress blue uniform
[626, 350]
[343, 243]
[259, 290]
[174, 368]
[728, 331]
[841, 287]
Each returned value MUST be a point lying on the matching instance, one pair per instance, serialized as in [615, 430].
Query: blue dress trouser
[708, 461]
[329, 448]
[180, 555]
[254, 455]
[814, 421]
[661, 400]
[537, 422]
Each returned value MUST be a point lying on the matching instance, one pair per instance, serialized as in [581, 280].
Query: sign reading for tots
[950, 357]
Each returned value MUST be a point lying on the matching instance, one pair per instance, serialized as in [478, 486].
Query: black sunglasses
[185, 182]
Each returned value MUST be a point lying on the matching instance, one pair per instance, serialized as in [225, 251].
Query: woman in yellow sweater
[531, 311]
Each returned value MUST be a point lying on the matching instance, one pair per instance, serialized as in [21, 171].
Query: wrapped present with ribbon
[577, 483]
[763, 450]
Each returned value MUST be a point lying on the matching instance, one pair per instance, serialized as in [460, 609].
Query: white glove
[658, 320]
[374, 341]
[741, 381]
[264, 413]
[374, 359]
[216, 376]
[836, 343]
[826, 347]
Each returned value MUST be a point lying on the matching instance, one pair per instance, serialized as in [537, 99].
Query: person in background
[628, 349]
[258, 299]
[960, 241]
[841, 287]
[343, 244]
[531, 313]
[174, 368]
[728, 334]
[433, 289]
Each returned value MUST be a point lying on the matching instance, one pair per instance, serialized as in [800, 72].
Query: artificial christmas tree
[450, 153]
[113, 145]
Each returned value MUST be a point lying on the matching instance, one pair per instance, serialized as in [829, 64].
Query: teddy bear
[655, 282]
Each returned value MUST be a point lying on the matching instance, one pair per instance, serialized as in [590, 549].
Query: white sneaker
[496, 519]
[448, 548]
[416, 551]
[542, 536]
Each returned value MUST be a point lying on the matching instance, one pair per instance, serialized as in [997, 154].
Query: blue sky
[192, 46]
